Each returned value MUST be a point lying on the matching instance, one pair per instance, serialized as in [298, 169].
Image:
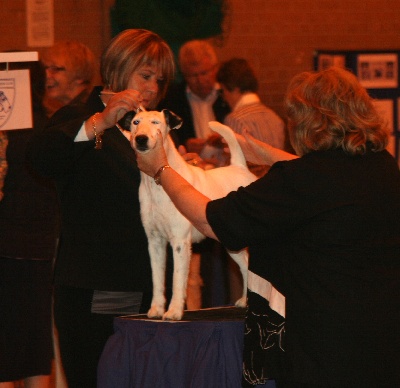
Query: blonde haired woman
[71, 70]
[102, 268]
[322, 229]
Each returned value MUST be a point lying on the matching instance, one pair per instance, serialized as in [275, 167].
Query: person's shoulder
[295, 166]
[78, 109]
[40, 120]
[273, 114]
[256, 107]
[263, 112]
[234, 122]
[68, 113]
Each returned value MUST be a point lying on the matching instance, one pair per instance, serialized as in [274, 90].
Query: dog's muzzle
[142, 142]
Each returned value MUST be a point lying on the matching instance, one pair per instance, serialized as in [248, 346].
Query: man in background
[197, 100]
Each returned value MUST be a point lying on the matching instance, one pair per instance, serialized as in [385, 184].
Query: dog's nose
[141, 142]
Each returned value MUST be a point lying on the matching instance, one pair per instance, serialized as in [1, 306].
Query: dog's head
[146, 124]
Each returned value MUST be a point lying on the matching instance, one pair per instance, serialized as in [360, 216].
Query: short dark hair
[237, 73]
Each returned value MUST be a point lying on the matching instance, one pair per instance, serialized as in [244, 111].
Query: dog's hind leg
[242, 259]
[182, 254]
[158, 259]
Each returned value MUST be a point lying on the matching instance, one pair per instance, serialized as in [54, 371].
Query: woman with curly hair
[323, 233]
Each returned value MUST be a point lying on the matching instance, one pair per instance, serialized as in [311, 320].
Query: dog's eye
[155, 122]
[136, 122]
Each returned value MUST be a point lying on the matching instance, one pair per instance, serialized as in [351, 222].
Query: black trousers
[26, 341]
[82, 334]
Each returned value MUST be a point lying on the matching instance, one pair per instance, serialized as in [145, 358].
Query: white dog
[163, 223]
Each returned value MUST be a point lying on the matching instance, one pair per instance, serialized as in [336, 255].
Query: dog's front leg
[182, 253]
[158, 260]
[242, 259]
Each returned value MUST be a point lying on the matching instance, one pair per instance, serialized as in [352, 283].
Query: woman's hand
[258, 152]
[253, 151]
[152, 160]
[117, 105]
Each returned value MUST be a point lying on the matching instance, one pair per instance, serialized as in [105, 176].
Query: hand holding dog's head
[149, 130]
[150, 161]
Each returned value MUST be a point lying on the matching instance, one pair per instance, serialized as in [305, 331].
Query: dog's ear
[172, 120]
[125, 122]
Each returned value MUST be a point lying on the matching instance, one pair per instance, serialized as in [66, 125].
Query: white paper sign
[15, 100]
[19, 56]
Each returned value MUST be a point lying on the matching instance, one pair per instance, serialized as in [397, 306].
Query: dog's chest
[157, 210]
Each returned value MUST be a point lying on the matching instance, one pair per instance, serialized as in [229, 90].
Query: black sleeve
[269, 208]
[52, 150]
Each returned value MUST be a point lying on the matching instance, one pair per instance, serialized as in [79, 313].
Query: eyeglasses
[55, 69]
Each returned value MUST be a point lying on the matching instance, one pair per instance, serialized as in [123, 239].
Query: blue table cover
[205, 351]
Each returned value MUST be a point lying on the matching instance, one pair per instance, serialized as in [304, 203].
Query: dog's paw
[242, 302]
[155, 312]
[173, 315]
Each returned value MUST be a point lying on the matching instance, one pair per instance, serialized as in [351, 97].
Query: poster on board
[385, 108]
[327, 60]
[15, 100]
[377, 71]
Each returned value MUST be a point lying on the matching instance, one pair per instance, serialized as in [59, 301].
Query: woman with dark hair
[323, 233]
[102, 268]
[239, 87]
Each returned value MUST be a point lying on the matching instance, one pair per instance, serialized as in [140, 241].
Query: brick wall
[277, 36]
[280, 36]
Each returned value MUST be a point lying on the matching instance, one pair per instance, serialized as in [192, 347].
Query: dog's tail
[237, 157]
